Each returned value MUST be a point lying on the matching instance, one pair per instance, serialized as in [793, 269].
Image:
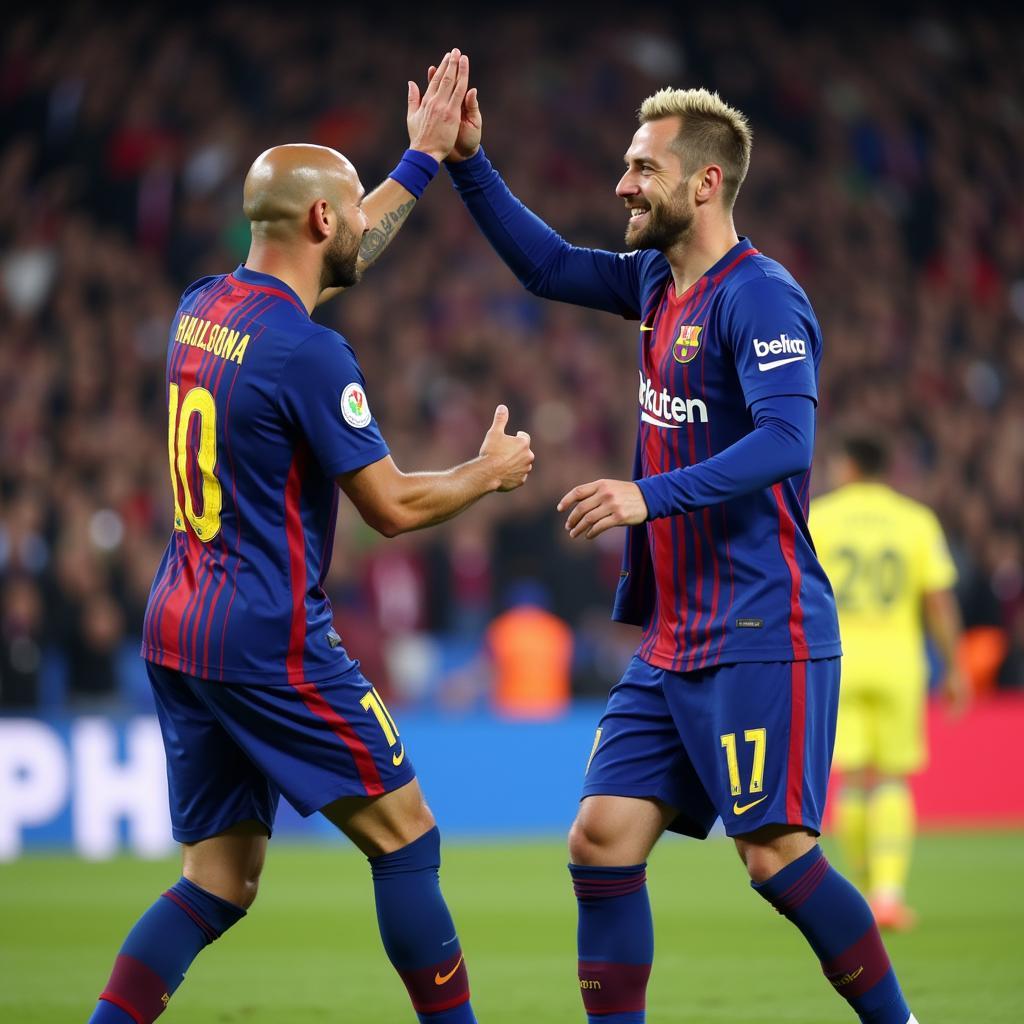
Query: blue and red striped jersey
[738, 580]
[265, 409]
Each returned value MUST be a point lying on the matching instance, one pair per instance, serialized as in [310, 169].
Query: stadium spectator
[21, 639]
[530, 651]
[888, 179]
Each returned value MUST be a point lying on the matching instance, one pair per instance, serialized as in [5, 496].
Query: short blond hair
[710, 132]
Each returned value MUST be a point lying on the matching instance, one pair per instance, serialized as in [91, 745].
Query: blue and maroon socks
[615, 940]
[418, 933]
[837, 922]
[158, 950]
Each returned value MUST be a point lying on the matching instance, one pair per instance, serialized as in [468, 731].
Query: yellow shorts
[881, 725]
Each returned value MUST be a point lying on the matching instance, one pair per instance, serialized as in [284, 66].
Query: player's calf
[837, 922]
[608, 844]
[615, 941]
[158, 951]
[418, 933]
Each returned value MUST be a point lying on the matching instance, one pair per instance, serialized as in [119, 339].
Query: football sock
[852, 832]
[158, 950]
[615, 940]
[837, 922]
[890, 839]
[418, 933]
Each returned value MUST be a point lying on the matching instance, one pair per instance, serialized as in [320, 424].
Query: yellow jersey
[883, 552]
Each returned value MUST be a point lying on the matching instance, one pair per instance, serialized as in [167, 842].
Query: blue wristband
[415, 171]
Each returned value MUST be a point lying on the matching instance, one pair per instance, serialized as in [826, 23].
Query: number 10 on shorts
[371, 702]
[759, 737]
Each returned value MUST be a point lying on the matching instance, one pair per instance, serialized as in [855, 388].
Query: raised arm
[543, 261]
[433, 121]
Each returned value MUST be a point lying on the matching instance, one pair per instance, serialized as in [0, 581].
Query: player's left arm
[943, 621]
[779, 446]
[433, 121]
[942, 612]
[773, 335]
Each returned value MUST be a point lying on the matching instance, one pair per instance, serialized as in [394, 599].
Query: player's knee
[402, 830]
[240, 889]
[247, 892]
[762, 863]
[767, 852]
[418, 824]
[588, 842]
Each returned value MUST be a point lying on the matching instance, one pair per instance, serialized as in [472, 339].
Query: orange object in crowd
[531, 654]
[981, 653]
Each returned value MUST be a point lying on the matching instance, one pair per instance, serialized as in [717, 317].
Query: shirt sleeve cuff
[357, 460]
[655, 497]
[469, 169]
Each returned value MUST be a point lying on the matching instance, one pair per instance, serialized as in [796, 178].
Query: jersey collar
[715, 273]
[265, 283]
[739, 252]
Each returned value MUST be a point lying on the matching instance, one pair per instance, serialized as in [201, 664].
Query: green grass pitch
[309, 951]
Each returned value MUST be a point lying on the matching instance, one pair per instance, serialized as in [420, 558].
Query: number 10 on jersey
[200, 403]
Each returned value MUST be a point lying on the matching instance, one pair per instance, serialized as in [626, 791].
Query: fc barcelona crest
[687, 345]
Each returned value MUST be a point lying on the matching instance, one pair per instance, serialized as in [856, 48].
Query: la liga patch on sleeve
[354, 407]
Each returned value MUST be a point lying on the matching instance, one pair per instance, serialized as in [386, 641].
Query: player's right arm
[393, 502]
[432, 121]
[321, 394]
[543, 261]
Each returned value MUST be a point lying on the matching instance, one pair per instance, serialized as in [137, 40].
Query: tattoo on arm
[378, 238]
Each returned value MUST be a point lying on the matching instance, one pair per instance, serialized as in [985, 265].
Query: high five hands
[467, 139]
[434, 119]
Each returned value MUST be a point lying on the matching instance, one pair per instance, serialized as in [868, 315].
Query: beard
[340, 269]
[665, 226]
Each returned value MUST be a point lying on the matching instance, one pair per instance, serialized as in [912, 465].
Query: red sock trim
[109, 997]
[803, 888]
[608, 888]
[438, 987]
[137, 989]
[613, 988]
[859, 968]
[209, 932]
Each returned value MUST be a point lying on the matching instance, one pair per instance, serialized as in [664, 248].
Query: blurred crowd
[886, 175]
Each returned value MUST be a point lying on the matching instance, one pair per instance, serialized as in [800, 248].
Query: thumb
[500, 419]
[472, 106]
[414, 97]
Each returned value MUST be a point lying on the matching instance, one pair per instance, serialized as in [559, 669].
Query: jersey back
[883, 553]
[738, 581]
[265, 409]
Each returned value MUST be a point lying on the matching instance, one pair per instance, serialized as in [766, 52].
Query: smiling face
[655, 189]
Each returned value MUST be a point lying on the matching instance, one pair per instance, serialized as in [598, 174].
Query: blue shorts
[232, 750]
[750, 743]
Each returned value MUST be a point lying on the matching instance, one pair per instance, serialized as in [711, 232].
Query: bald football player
[268, 418]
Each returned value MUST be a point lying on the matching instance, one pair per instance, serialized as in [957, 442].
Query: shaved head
[286, 183]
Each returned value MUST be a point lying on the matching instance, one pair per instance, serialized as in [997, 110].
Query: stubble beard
[667, 226]
[341, 261]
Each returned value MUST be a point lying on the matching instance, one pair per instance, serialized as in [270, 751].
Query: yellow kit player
[893, 576]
